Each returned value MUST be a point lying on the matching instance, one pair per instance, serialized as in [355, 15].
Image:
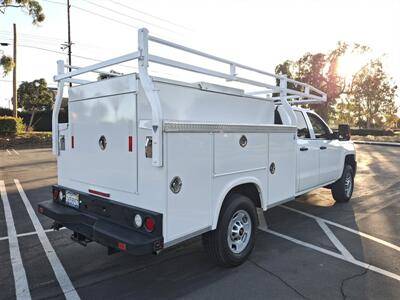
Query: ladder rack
[304, 94]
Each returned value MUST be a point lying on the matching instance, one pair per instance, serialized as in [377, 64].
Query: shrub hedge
[42, 120]
[11, 126]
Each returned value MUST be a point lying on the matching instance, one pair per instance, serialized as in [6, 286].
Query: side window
[277, 118]
[302, 129]
[320, 129]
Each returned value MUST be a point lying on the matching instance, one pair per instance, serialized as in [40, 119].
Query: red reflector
[149, 224]
[122, 246]
[40, 210]
[72, 142]
[130, 143]
[99, 193]
[55, 194]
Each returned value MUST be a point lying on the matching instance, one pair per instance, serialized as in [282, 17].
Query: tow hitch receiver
[80, 239]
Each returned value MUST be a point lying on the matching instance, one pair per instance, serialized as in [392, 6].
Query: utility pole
[69, 36]
[15, 101]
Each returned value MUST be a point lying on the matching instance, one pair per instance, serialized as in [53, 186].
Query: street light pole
[15, 101]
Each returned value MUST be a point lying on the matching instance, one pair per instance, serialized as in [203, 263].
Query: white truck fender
[228, 187]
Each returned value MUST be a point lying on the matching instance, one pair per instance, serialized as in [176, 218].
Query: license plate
[72, 199]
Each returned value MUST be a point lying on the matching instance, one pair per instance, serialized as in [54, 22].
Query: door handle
[322, 147]
[303, 149]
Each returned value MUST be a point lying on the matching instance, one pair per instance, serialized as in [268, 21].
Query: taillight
[149, 224]
[55, 194]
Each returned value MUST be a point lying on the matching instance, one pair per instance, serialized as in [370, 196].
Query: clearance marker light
[130, 143]
[122, 246]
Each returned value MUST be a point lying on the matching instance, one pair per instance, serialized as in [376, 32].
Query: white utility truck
[146, 162]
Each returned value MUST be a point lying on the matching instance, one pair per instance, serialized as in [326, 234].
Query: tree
[320, 71]
[34, 96]
[372, 96]
[7, 63]
[34, 9]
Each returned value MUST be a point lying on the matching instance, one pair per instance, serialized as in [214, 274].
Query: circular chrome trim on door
[243, 141]
[102, 142]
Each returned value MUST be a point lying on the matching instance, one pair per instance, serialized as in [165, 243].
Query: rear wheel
[342, 189]
[233, 240]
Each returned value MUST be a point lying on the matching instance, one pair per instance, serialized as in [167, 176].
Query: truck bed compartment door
[281, 169]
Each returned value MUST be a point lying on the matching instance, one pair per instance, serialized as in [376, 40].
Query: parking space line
[15, 151]
[366, 235]
[29, 233]
[335, 240]
[59, 271]
[334, 254]
[21, 282]
[8, 152]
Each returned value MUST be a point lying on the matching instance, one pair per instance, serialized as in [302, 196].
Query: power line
[49, 40]
[128, 16]
[105, 17]
[96, 14]
[150, 15]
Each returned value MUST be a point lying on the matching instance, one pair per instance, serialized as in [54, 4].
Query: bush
[372, 131]
[11, 126]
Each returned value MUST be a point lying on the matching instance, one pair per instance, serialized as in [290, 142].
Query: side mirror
[344, 132]
[334, 136]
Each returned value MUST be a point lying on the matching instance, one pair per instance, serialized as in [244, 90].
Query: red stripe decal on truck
[99, 193]
[130, 143]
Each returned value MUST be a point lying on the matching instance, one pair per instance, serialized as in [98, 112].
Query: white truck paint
[214, 138]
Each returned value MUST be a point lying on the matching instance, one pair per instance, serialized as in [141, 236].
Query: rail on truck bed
[303, 94]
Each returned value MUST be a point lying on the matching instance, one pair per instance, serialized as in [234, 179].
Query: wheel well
[249, 190]
[351, 160]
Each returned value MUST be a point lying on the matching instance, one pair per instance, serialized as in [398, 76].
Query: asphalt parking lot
[311, 248]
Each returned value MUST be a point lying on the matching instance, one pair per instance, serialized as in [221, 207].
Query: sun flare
[350, 64]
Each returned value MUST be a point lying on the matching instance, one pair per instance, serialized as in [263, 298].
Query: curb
[390, 144]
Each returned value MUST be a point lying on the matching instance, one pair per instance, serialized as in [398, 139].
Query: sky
[257, 33]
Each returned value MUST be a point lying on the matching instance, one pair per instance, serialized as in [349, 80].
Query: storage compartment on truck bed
[102, 152]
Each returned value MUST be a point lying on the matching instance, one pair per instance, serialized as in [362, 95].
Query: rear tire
[232, 241]
[342, 189]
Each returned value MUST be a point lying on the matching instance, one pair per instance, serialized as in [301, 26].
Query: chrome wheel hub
[348, 185]
[239, 231]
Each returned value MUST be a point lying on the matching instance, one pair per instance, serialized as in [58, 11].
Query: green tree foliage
[368, 100]
[7, 63]
[32, 8]
[371, 97]
[318, 70]
[34, 96]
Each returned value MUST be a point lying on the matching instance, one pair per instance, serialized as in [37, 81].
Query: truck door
[329, 150]
[307, 156]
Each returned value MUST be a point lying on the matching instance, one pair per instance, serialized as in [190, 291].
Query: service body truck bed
[147, 162]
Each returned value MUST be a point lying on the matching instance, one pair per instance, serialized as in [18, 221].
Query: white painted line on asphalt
[8, 151]
[366, 235]
[335, 240]
[3, 238]
[59, 271]
[21, 282]
[15, 151]
[334, 254]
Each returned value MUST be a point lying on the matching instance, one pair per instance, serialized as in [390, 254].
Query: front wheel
[342, 189]
[232, 241]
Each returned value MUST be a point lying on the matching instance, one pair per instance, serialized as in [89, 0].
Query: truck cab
[321, 155]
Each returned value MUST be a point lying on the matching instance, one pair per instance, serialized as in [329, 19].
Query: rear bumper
[101, 230]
